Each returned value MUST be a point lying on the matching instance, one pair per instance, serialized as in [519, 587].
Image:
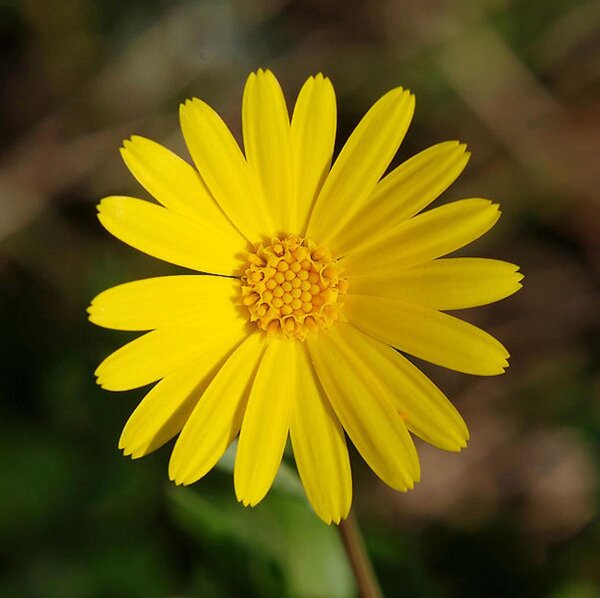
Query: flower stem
[366, 581]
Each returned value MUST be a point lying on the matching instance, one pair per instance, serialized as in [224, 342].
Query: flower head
[310, 283]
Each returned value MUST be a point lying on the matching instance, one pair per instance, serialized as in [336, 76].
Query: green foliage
[281, 546]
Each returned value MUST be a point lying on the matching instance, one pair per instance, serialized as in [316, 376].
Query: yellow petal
[313, 138]
[224, 169]
[156, 302]
[217, 417]
[404, 192]
[170, 237]
[367, 414]
[165, 409]
[161, 352]
[425, 237]
[175, 184]
[423, 407]
[319, 446]
[446, 283]
[428, 334]
[361, 164]
[266, 422]
[266, 128]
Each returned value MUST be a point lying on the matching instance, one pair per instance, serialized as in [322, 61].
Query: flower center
[291, 286]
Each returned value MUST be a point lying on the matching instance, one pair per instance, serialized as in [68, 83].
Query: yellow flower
[311, 278]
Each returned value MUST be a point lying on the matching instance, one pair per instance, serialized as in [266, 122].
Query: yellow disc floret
[292, 286]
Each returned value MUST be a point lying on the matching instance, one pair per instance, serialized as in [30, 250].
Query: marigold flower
[312, 281]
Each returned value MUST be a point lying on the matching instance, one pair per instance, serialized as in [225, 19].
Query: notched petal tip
[396, 92]
[178, 479]
[245, 502]
[519, 276]
[450, 145]
[112, 205]
[189, 104]
[458, 445]
[95, 308]
[332, 514]
[245, 497]
[332, 517]
[404, 97]
[268, 73]
[501, 363]
[489, 207]
[396, 95]
[334, 520]
[131, 141]
[452, 148]
[103, 205]
[321, 79]
[135, 455]
[133, 145]
[178, 474]
[261, 75]
[128, 445]
[462, 156]
[175, 473]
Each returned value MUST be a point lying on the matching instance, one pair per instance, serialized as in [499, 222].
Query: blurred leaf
[578, 589]
[282, 530]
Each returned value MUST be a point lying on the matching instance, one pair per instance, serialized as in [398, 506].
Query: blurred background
[514, 515]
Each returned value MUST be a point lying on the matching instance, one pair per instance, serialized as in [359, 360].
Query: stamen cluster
[292, 286]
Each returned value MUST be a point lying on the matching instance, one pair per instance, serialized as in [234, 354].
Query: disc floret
[292, 286]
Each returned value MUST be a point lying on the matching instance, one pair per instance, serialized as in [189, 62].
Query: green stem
[366, 581]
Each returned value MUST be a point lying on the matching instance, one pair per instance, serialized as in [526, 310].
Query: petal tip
[177, 480]
[176, 471]
[244, 501]
[102, 205]
[188, 104]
